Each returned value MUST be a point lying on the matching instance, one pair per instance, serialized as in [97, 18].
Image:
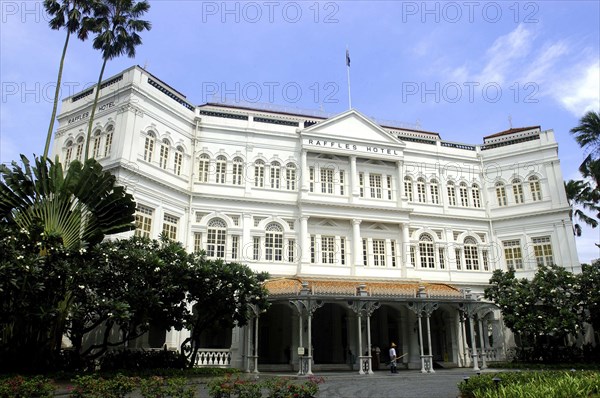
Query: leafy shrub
[287, 388]
[97, 387]
[227, 387]
[532, 385]
[158, 387]
[30, 387]
[140, 359]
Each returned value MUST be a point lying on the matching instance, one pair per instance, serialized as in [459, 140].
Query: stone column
[304, 171]
[354, 193]
[428, 314]
[406, 246]
[482, 344]
[365, 308]
[420, 309]
[360, 368]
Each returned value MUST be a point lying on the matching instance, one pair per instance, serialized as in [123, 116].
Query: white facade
[340, 199]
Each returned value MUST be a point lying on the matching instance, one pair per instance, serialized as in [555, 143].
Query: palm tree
[580, 196]
[66, 14]
[117, 25]
[587, 133]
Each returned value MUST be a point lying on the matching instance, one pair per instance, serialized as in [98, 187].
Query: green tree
[589, 279]
[117, 25]
[221, 294]
[543, 311]
[587, 132]
[126, 287]
[67, 14]
[579, 195]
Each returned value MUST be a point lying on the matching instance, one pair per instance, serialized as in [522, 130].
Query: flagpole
[348, 73]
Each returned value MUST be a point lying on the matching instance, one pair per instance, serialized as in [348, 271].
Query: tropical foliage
[117, 25]
[546, 311]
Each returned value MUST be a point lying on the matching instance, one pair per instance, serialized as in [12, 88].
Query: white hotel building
[371, 233]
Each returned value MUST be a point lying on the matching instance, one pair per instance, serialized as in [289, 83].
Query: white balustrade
[215, 357]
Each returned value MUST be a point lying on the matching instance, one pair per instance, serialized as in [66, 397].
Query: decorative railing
[491, 354]
[215, 357]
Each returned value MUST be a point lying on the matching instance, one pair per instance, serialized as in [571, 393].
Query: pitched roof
[511, 131]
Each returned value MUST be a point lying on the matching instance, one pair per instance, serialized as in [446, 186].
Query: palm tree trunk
[56, 95]
[91, 122]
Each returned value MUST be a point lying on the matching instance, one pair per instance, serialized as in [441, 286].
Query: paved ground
[405, 384]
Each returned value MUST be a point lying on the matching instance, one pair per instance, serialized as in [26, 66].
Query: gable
[351, 126]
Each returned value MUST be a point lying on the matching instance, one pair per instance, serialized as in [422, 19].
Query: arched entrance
[330, 340]
[275, 335]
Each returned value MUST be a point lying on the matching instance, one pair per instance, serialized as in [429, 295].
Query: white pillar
[369, 344]
[421, 344]
[256, 344]
[430, 348]
[304, 171]
[482, 345]
[474, 345]
[304, 243]
[360, 369]
[465, 345]
[356, 243]
[354, 193]
[310, 356]
[406, 246]
[400, 183]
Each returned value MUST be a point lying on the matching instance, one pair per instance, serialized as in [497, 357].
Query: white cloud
[581, 93]
[506, 49]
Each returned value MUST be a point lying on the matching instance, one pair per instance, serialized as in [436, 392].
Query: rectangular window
[471, 258]
[290, 178]
[259, 175]
[451, 195]
[108, 144]
[275, 176]
[177, 163]
[148, 149]
[220, 170]
[256, 248]
[343, 250]
[327, 181]
[235, 246]
[536, 189]
[291, 250]
[143, 221]
[375, 185]
[388, 180]
[512, 254]
[408, 189]
[311, 179]
[421, 191]
[476, 196]
[518, 192]
[215, 243]
[203, 169]
[96, 150]
[170, 226]
[379, 252]
[342, 182]
[365, 253]
[197, 242]
[435, 193]
[393, 253]
[442, 258]
[501, 195]
[361, 184]
[458, 259]
[274, 246]
[163, 156]
[312, 249]
[237, 172]
[464, 196]
[327, 249]
[486, 264]
[542, 249]
[413, 256]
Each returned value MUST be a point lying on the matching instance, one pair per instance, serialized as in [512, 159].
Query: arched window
[408, 190]
[79, 153]
[464, 194]
[108, 141]
[275, 170]
[536, 189]
[68, 152]
[164, 154]
[96, 144]
[259, 173]
[517, 190]
[216, 237]
[451, 193]
[434, 191]
[290, 176]
[221, 169]
[203, 164]
[501, 194]
[426, 251]
[421, 196]
[274, 242]
[476, 195]
[471, 254]
[149, 146]
[178, 161]
[238, 165]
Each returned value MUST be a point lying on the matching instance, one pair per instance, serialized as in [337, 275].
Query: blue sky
[462, 69]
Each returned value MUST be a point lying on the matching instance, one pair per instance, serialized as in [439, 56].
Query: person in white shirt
[393, 358]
